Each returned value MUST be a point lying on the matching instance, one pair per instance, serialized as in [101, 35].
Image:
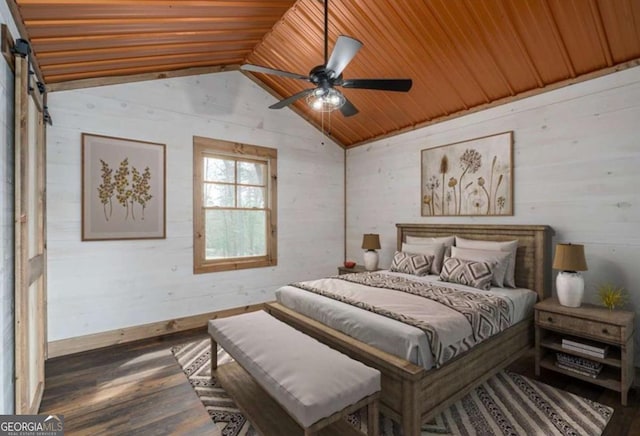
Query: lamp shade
[569, 257]
[371, 241]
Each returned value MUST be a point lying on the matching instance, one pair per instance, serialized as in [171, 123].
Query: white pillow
[507, 246]
[435, 250]
[447, 241]
[500, 259]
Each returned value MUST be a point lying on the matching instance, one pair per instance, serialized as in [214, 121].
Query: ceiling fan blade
[287, 101]
[348, 109]
[400, 85]
[344, 50]
[266, 70]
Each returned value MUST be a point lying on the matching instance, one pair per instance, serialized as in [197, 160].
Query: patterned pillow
[467, 272]
[510, 247]
[437, 250]
[501, 259]
[408, 263]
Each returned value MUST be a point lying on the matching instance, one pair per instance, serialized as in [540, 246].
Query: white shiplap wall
[100, 286]
[577, 160]
[6, 226]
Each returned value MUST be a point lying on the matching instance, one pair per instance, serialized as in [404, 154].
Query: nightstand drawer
[594, 329]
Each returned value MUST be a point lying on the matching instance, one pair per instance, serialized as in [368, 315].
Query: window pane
[235, 233]
[250, 197]
[251, 173]
[219, 170]
[219, 195]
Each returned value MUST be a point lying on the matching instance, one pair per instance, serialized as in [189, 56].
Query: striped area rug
[506, 404]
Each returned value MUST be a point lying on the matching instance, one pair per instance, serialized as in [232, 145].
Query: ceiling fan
[325, 97]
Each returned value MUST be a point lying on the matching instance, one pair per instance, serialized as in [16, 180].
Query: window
[234, 205]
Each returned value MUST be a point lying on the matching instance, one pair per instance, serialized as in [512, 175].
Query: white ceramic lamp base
[371, 260]
[570, 288]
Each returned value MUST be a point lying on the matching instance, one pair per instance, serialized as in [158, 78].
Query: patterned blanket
[487, 314]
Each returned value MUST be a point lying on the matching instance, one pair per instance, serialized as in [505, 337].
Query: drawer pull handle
[550, 319]
[605, 331]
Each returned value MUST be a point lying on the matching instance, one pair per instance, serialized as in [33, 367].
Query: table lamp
[371, 243]
[569, 259]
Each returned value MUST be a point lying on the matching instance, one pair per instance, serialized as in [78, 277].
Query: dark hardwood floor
[128, 389]
[140, 389]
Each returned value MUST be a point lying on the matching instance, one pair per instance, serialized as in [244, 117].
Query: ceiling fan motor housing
[323, 78]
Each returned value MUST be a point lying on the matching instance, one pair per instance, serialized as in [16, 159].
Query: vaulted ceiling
[461, 54]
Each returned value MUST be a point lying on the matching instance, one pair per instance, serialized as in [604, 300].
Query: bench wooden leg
[214, 355]
[372, 419]
[308, 432]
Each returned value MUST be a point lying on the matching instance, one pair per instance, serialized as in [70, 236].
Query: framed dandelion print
[123, 189]
[469, 178]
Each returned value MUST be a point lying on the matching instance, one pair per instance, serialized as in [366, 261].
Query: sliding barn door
[30, 252]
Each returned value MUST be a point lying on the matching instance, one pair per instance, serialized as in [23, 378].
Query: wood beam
[6, 44]
[65, 56]
[137, 77]
[89, 66]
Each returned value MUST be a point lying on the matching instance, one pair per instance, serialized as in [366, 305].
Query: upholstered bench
[315, 384]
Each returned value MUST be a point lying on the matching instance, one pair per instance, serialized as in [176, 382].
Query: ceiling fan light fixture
[324, 97]
[326, 100]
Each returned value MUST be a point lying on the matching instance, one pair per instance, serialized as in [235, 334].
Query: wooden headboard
[533, 259]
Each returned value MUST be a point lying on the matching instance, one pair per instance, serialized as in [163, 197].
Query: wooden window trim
[244, 152]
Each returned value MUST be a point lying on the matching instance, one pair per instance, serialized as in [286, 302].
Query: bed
[412, 393]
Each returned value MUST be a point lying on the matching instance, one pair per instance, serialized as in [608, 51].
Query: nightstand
[587, 324]
[355, 269]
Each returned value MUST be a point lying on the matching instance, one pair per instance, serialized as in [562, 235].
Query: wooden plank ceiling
[461, 54]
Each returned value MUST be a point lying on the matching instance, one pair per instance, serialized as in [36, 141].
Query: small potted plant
[612, 296]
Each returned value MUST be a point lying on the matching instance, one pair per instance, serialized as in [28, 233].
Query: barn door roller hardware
[22, 48]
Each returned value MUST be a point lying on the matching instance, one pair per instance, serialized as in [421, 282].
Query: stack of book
[590, 348]
[578, 365]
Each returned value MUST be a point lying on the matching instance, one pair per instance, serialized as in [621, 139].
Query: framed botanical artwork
[123, 189]
[469, 178]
